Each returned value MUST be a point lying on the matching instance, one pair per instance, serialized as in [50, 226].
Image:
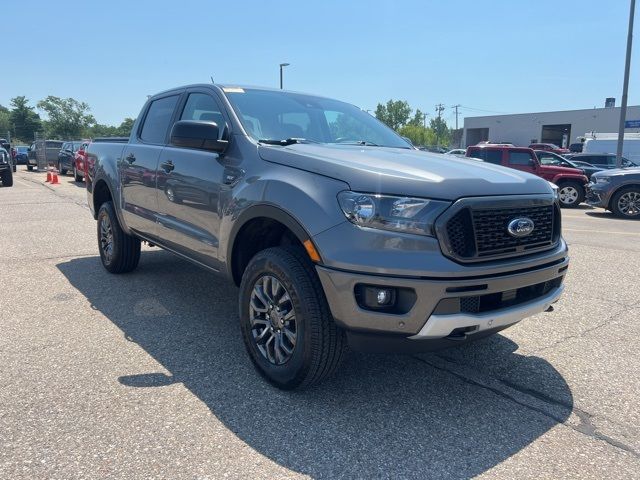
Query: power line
[480, 109]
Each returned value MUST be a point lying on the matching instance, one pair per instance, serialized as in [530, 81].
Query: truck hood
[399, 171]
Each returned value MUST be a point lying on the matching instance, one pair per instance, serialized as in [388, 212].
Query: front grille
[492, 237]
[476, 234]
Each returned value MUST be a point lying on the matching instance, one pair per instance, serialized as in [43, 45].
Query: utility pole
[439, 110]
[282, 65]
[457, 137]
[424, 120]
[625, 87]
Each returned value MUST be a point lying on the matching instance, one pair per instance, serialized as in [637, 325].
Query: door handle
[130, 158]
[167, 166]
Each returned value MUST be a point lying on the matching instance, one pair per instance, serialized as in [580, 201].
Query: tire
[76, 177]
[571, 194]
[319, 343]
[63, 171]
[30, 167]
[124, 252]
[7, 179]
[625, 203]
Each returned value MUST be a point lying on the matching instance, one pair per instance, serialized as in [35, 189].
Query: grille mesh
[482, 233]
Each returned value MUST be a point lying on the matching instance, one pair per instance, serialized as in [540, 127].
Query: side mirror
[197, 134]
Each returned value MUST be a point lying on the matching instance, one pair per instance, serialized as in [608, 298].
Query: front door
[188, 189]
[139, 164]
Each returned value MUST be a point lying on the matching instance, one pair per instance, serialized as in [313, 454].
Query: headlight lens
[556, 191]
[400, 214]
[603, 179]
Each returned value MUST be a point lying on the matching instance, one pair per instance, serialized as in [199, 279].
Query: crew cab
[334, 228]
[571, 182]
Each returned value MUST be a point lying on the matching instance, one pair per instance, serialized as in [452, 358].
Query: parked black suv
[67, 154]
[6, 173]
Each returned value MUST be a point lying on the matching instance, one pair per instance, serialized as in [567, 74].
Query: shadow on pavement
[379, 416]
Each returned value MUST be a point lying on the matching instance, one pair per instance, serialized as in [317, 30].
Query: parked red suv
[571, 182]
[549, 147]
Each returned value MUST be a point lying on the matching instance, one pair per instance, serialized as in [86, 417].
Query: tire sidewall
[106, 209]
[616, 199]
[581, 194]
[294, 370]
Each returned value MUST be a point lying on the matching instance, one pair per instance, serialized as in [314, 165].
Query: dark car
[22, 153]
[550, 158]
[67, 155]
[335, 229]
[601, 160]
[6, 169]
[617, 190]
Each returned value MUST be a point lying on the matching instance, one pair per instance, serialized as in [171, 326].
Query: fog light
[379, 297]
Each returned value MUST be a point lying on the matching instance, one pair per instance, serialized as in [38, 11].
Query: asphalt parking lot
[145, 376]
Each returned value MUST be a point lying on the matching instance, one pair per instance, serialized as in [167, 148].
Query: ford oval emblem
[520, 227]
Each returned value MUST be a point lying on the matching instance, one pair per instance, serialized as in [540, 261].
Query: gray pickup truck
[336, 231]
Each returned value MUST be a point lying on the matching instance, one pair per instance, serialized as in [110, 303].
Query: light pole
[281, 66]
[625, 87]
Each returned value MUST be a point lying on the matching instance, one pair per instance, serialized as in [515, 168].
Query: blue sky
[491, 56]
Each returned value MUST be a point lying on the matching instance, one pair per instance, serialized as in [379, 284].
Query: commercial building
[561, 128]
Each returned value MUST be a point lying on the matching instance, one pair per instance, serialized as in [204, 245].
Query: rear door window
[156, 123]
[488, 155]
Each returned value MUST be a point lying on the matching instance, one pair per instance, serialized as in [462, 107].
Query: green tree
[124, 130]
[5, 121]
[418, 119]
[67, 117]
[418, 134]
[25, 121]
[441, 130]
[395, 113]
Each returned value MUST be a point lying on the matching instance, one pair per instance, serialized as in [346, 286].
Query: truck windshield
[278, 116]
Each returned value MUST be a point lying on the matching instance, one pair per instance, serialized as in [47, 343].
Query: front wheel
[7, 179]
[626, 203]
[30, 167]
[119, 252]
[571, 194]
[285, 320]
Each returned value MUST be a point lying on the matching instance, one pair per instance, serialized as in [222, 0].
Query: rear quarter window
[156, 122]
[488, 155]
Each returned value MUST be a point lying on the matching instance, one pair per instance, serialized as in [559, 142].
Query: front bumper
[598, 195]
[426, 324]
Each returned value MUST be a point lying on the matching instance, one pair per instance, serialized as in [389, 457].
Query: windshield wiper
[286, 141]
[358, 142]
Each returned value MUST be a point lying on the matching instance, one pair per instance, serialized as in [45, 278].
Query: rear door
[189, 185]
[139, 164]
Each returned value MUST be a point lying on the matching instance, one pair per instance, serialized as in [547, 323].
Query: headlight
[556, 191]
[603, 179]
[400, 214]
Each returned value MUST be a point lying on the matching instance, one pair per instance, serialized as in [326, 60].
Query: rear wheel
[119, 252]
[7, 179]
[76, 176]
[626, 203]
[571, 194]
[286, 324]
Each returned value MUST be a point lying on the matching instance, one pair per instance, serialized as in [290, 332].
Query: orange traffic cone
[54, 179]
[48, 177]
